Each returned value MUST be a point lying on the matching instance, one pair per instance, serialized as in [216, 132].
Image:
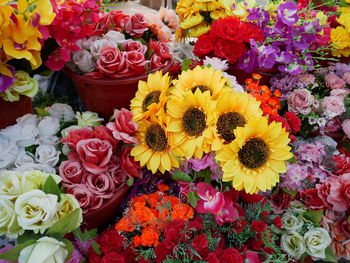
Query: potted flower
[23, 27]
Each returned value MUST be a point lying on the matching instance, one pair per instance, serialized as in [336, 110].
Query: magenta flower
[230, 211]
[6, 81]
[211, 200]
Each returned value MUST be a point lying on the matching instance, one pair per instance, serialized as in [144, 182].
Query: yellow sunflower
[254, 160]
[151, 97]
[200, 78]
[190, 120]
[234, 109]
[154, 148]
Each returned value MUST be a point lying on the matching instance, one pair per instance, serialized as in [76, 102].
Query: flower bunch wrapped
[23, 28]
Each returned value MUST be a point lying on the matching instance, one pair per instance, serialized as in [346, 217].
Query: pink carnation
[123, 127]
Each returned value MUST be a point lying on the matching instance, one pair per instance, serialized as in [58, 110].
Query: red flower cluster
[228, 39]
[290, 122]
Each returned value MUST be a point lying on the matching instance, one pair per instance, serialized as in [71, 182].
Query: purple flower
[207, 161]
[6, 81]
[248, 62]
[267, 56]
[260, 17]
[293, 179]
[293, 69]
[76, 257]
[341, 69]
[287, 13]
[284, 83]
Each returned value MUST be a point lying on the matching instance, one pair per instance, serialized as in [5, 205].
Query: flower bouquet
[23, 29]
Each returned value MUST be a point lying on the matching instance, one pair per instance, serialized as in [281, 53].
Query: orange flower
[144, 216]
[182, 211]
[163, 187]
[125, 225]
[136, 241]
[149, 237]
[153, 199]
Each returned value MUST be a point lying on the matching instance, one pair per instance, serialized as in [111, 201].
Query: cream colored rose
[10, 184]
[293, 244]
[8, 219]
[45, 250]
[67, 204]
[88, 118]
[291, 222]
[61, 112]
[317, 240]
[36, 166]
[36, 210]
[33, 179]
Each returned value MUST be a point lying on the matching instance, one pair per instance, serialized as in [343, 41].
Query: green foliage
[206, 174]
[181, 176]
[330, 255]
[313, 217]
[32, 148]
[41, 112]
[186, 64]
[28, 235]
[145, 254]
[50, 187]
[193, 198]
[66, 224]
[13, 254]
[69, 247]
[96, 248]
[130, 181]
[86, 235]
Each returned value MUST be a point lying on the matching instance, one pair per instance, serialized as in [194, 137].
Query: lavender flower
[284, 83]
[6, 81]
[287, 13]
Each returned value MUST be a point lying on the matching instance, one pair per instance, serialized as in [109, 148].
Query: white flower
[36, 166]
[10, 184]
[293, 244]
[33, 179]
[115, 36]
[8, 219]
[61, 111]
[48, 126]
[36, 210]
[67, 204]
[8, 152]
[317, 240]
[23, 157]
[98, 45]
[23, 134]
[233, 82]
[28, 119]
[88, 118]
[216, 63]
[45, 250]
[84, 61]
[47, 154]
[86, 43]
[291, 222]
[52, 140]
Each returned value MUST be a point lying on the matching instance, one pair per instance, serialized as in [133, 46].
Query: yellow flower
[200, 78]
[192, 19]
[154, 148]
[234, 109]
[345, 52]
[198, 30]
[190, 120]
[254, 160]
[218, 13]
[43, 8]
[151, 97]
[322, 17]
[183, 7]
[206, 6]
[344, 20]
[4, 2]
[340, 38]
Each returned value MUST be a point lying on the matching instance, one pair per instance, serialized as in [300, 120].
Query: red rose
[111, 20]
[135, 25]
[311, 199]
[74, 136]
[231, 255]
[342, 164]
[95, 154]
[113, 257]
[250, 198]
[161, 49]
[87, 200]
[158, 62]
[200, 242]
[101, 184]
[277, 221]
[229, 50]
[258, 226]
[112, 62]
[281, 201]
[205, 44]
[103, 133]
[128, 163]
[110, 240]
[137, 62]
[72, 173]
[132, 45]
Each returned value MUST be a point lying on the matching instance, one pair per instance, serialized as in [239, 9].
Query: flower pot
[105, 95]
[102, 217]
[13, 110]
[241, 75]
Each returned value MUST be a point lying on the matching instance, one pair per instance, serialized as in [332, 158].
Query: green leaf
[330, 255]
[96, 248]
[13, 254]
[206, 174]
[86, 235]
[314, 216]
[69, 247]
[41, 112]
[32, 148]
[50, 187]
[66, 224]
[193, 198]
[28, 235]
[186, 64]
[130, 181]
[290, 192]
[149, 53]
[181, 176]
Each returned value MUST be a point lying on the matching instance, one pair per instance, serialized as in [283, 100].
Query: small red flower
[293, 121]
[277, 221]
[258, 226]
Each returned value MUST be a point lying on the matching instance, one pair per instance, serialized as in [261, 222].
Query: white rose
[10, 184]
[23, 134]
[88, 118]
[8, 219]
[23, 157]
[28, 119]
[291, 222]
[86, 43]
[36, 166]
[33, 179]
[67, 204]
[61, 111]
[293, 244]
[8, 152]
[47, 154]
[45, 250]
[36, 210]
[317, 240]
[52, 140]
[98, 45]
[48, 126]
[84, 61]
[115, 36]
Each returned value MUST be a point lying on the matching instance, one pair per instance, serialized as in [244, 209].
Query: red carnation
[205, 45]
[342, 164]
[293, 121]
[110, 240]
[268, 250]
[200, 244]
[255, 243]
[229, 50]
[238, 226]
[113, 257]
[250, 198]
[311, 199]
[230, 255]
[277, 221]
[258, 226]
[162, 251]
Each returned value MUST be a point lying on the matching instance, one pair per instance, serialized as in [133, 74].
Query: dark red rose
[205, 44]
[229, 50]
[311, 199]
[281, 201]
[110, 240]
[258, 226]
[250, 198]
[113, 257]
[277, 221]
[128, 163]
[231, 255]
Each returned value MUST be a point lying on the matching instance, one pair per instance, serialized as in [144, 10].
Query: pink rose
[161, 49]
[137, 62]
[334, 82]
[333, 106]
[87, 200]
[135, 25]
[132, 45]
[72, 173]
[95, 154]
[346, 77]
[251, 257]
[112, 62]
[123, 128]
[300, 101]
[346, 127]
[118, 175]
[339, 192]
[158, 62]
[101, 185]
[330, 217]
[307, 79]
[128, 163]
[341, 93]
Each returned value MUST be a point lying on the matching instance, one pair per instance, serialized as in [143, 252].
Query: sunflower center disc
[152, 97]
[254, 153]
[201, 88]
[156, 138]
[227, 123]
[194, 122]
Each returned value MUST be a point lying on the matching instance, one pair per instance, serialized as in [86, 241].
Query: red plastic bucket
[10, 111]
[105, 95]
